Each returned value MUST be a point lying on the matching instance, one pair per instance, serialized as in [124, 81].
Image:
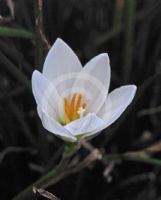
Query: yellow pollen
[67, 110]
[84, 105]
[72, 105]
[71, 111]
[76, 115]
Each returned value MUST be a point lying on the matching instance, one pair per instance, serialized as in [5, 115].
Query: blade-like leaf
[16, 32]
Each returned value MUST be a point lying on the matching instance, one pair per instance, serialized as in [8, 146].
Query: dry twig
[44, 193]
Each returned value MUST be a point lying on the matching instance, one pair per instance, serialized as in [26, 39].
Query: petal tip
[104, 56]
[132, 91]
[34, 74]
[59, 41]
[133, 88]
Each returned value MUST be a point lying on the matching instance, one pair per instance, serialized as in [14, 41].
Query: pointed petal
[84, 125]
[116, 103]
[93, 81]
[54, 127]
[39, 85]
[45, 94]
[61, 64]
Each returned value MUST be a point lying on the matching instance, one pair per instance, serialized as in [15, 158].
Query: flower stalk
[70, 149]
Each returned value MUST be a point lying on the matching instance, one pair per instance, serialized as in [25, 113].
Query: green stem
[129, 37]
[27, 193]
[119, 4]
[69, 150]
[143, 159]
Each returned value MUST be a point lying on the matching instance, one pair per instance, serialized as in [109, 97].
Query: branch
[44, 193]
[139, 156]
[41, 39]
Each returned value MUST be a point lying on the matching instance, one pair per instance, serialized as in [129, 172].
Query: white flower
[73, 102]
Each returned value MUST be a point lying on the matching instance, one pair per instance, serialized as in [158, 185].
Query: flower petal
[116, 103]
[93, 82]
[46, 95]
[39, 85]
[84, 125]
[61, 64]
[54, 127]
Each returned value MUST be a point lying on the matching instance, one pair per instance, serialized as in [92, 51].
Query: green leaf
[143, 159]
[16, 32]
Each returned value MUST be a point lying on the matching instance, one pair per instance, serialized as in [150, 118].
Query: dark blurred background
[130, 31]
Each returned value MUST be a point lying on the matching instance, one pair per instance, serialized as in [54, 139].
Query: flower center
[75, 108]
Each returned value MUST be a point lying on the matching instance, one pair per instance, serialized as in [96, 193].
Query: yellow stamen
[72, 105]
[84, 105]
[76, 115]
[71, 111]
[67, 110]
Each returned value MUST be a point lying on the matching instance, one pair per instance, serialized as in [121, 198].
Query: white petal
[84, 125]
[54, 127]
[61, 65]
[93, 82]
[46, 95]
[39, 85]
[116, 103]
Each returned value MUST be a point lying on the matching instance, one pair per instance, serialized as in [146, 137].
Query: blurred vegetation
[130, 31]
